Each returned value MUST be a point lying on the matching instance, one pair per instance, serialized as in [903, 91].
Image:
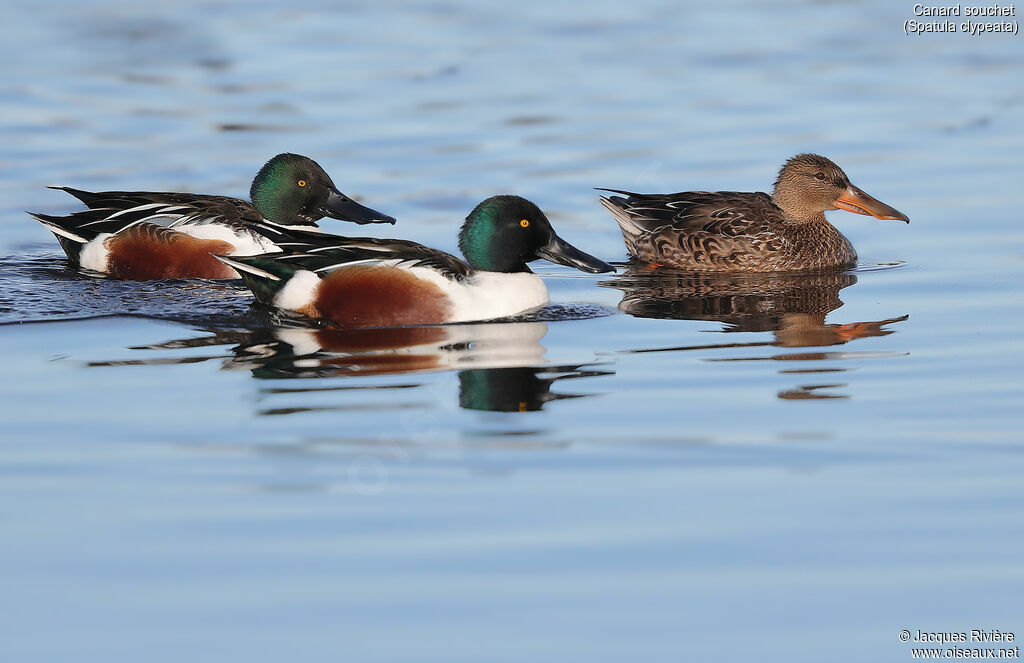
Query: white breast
[489, 295]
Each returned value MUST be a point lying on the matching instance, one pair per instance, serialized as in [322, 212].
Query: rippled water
[659, 466]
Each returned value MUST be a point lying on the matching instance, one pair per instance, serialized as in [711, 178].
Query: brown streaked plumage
[731, 231]
[147, 251]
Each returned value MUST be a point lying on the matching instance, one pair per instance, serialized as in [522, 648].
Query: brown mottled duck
[730, 231]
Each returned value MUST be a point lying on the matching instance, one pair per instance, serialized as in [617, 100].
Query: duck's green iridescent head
[292, 190]
[504, 233]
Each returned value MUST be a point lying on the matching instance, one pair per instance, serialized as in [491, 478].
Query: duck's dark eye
[820, 176]
[302, 182]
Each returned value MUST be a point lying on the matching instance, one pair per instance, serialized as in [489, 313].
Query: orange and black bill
[856, 201]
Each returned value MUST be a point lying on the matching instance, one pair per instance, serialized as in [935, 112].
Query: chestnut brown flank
[147, 251]
[364, 296]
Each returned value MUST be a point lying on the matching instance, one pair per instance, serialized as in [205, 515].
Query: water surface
[660, 466]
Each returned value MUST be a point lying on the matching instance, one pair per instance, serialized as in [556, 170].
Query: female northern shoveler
[729, 231]
[381, 283]
[138, 235]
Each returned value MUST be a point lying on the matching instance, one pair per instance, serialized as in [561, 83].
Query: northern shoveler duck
[381, 283]
[137, 235]
[729, 231]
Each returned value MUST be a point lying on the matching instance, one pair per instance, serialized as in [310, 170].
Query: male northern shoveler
[370, 282]
[729, 231]
[137, 235]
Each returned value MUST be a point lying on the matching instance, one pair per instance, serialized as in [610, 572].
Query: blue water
[656, 467]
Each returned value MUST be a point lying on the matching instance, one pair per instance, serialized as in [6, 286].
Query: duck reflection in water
[501, 365]
[791, 306]
[517, 389]
[295, 352]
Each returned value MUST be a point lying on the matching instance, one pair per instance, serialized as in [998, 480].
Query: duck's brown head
[809, 184]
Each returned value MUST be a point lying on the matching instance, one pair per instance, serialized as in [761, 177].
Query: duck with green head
[382, 283]
[141, 235]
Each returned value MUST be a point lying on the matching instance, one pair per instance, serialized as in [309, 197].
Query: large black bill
[339, 206]
[564, 253]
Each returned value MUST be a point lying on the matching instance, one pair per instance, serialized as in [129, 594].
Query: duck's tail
[261, 274]
[87, 197]
[632, 227]
[79, 228]
[75, 230]
[68, 231]
[63, 227]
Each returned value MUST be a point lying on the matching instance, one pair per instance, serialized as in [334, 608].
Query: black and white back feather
[114, 211]
[322, 258]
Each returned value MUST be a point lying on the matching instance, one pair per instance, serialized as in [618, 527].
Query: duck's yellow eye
[302, 182]
[524, 223]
